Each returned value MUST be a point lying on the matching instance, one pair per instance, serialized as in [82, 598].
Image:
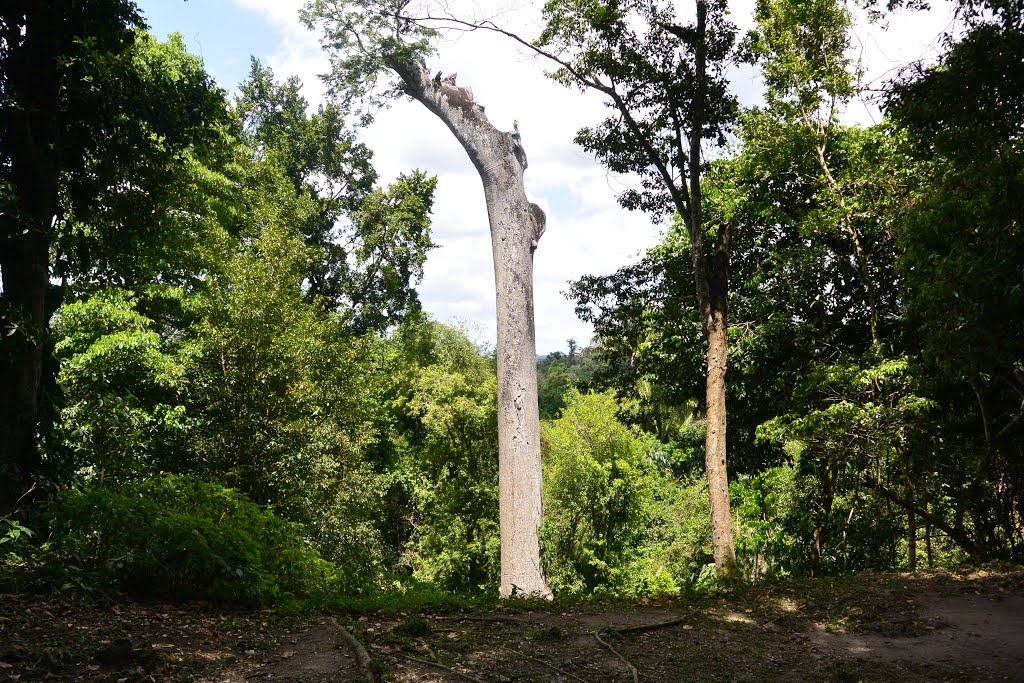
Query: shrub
[596, 482]
[179, 538]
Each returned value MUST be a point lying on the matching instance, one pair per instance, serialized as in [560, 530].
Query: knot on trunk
[460, 97]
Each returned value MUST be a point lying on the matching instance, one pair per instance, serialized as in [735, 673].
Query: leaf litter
[939, 626]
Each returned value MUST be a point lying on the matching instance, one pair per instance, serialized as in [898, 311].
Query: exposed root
[649, 627]
[450, 670]
[362, 656]
[632, 669]
[504, 620]
[543, 663]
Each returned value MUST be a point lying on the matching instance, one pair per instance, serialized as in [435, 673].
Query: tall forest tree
[79, 107]
[960, 256]
[667, 87]
[370, 243]
[368, 40]
[802, 48]
[44, 52]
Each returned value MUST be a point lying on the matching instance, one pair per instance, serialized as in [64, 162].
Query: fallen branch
[543, 663]
[362, 656]
[438, 666]
[632, 669]
[649, 627]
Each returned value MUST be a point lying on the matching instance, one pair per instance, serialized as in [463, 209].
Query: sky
[587, 232]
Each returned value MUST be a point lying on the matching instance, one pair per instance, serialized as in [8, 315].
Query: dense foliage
[182, 539]
[240, 400]
[874, 374]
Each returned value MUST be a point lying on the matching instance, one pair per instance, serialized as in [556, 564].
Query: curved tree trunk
[500, 160]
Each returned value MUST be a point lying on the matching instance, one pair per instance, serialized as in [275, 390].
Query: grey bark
[500, 160]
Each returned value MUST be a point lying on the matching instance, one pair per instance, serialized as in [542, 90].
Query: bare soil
[941, 626]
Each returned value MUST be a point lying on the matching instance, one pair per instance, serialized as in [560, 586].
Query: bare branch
[651, 627]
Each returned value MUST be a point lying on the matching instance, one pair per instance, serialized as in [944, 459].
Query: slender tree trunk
[712, 296]
[500, 160]
[31, 140]
[911, 539]
[821, 527]
[928, 539]
[717, 333]
[908, 493]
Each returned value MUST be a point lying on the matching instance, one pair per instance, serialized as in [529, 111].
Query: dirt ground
[941, 626]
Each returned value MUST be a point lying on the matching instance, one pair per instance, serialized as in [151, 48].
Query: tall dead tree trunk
[515, 228]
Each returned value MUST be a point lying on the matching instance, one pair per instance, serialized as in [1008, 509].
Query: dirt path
[872, 627]
[982, 632]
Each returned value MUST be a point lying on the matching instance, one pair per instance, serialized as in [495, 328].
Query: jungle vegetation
[218, 382]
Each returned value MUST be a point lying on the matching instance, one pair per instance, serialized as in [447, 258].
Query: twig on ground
[542, 662]
[649, 627]
[632, 669]
[438, 666]
[362, 656]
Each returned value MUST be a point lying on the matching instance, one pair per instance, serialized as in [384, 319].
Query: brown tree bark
[716, 330]
[500, 160]
[712, 296]
[908, 494]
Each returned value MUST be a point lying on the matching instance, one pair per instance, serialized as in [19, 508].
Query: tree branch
[438, 665]
[650, 627]
[543, 663]
[682, 205]
[977, 553]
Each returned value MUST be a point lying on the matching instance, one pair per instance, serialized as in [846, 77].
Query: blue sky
[223, 34]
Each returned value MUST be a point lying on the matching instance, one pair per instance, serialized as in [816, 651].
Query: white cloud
[297, 52]
[884, 49]
[587, 231]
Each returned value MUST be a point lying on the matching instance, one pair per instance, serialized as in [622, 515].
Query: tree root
[649, 627]
[503, 620]
[362, 656]
[438, 666]
[543, 663]
[632, 669]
